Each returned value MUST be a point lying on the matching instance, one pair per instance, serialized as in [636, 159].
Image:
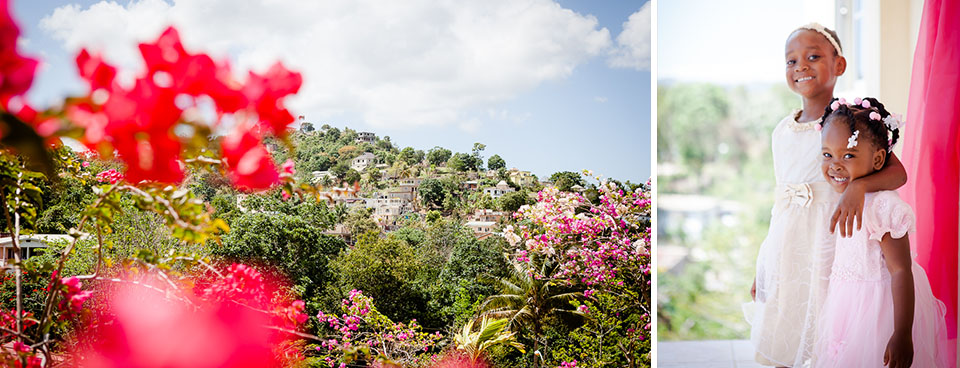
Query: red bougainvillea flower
[225, 324]
[96, 72]
[266, 92]
[191, 74]
[149, 330]
[16, 71]
[248, 161]
[140, 127]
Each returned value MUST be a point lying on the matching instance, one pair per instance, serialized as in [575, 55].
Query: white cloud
[633, 43]
[407, 63]
[600, 99]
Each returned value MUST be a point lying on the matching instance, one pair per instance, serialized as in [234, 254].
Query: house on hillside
[487, 215]
[319, 175]
[365, 137]
[407, 194]
[29, 245]
[471, 185]
[521, 178]
[481, 227]
[361, 162]
[387, 210]
[499, 190]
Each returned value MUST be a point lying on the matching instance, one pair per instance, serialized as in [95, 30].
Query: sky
[741, 44]
[547, 85]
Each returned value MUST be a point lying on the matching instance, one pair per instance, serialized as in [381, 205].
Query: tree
[431, 193]
[438, 155]
[340, 170]
[511, 202]
[460, 162]
[565, 180]
[476, 162]
[352, 176]
[528, 301]
[307, 127]
[359, 222]
[292, 243]
[386, 270]
[491, 332]
[495, 162]
[409, 156]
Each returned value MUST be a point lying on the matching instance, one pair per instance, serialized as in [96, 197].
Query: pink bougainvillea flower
[109, 176]
[93, 124]
[248, 161]
[288, 167]
[267, 91]
[95, 71]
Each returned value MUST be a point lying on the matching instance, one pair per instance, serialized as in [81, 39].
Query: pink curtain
[931, 150]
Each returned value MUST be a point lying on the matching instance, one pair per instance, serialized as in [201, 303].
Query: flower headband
[823, 30]
[892, 121]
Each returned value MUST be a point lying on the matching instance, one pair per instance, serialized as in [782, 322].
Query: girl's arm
[896, 253]
[850, 208]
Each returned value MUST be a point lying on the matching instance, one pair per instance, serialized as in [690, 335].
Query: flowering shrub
[602, 248]
[597, 245]
[229, 320]
[361, 332]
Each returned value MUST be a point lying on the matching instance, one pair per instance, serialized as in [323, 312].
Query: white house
[28, 245]
[367, 137]
[361, 162]
[499, 190]
[481, 227]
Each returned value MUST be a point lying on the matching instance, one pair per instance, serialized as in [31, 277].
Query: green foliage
[715, 142]
[529, 302]
[438, 155]
[496, 162]
[352, 176]
[431, 193]
[460, 162]
[491, 332]
[358, 222]
[292, 243]
[410, 156]
[565, 180]
[386, 270]
[512, 201]
[613, 335]
[460, 289]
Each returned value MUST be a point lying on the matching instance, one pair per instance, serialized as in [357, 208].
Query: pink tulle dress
[857, 317]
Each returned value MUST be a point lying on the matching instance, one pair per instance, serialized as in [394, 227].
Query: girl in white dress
[793, 265]
[879, 309]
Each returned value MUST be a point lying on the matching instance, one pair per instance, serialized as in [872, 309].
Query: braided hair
[857, 118]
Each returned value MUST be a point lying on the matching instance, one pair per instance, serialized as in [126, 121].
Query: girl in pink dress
[879, 310]
[794, 261]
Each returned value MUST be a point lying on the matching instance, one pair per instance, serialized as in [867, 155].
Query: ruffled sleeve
[887, 213]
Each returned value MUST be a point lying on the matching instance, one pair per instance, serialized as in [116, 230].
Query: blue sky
[547, 86]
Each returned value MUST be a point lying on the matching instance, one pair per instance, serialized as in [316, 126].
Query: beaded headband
[823, 30]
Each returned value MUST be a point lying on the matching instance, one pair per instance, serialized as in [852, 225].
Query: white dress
[793, 265]
[856, 321]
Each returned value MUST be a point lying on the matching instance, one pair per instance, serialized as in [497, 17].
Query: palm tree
[491, 333]
[526, 300]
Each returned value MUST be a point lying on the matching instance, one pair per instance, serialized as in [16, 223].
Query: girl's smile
[843, 163]
[812, 66]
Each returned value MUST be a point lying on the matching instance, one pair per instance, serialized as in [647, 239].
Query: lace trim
[801, 127]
